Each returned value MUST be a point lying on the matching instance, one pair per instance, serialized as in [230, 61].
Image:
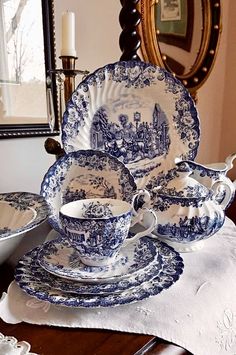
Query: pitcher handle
[229, 195]
[229, 161]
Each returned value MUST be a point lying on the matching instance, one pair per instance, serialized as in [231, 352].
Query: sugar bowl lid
[184, 186]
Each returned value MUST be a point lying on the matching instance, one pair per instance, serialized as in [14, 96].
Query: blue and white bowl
[19, 213]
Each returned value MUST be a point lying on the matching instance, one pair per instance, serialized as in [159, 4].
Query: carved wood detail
[129, 40]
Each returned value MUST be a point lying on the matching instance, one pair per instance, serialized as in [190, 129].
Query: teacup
[97, 228]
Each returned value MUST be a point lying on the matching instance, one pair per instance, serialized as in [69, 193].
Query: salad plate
[135, 111]
[172, 268]
[20, 212]
[85, 174]
[29, 270]
[60, 259]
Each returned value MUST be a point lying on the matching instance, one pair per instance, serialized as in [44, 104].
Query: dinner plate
[21, 212]
[59, 258]
[136, 111]
[85, 174]
[29, 271]
[172, 268]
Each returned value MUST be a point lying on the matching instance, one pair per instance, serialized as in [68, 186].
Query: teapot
[210, 173]
[187, 211]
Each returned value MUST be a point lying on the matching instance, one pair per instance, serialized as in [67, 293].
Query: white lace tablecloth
[198, 312]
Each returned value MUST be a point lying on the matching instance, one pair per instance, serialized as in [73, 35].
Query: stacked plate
[122, 130]
[54, 273]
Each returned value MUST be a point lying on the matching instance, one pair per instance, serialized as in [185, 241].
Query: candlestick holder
[68, 65]
[68, 70]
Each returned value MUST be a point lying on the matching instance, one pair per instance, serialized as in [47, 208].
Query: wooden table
[47, 340]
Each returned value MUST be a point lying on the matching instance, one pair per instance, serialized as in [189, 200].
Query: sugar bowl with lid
[210, 173]
[187, 211]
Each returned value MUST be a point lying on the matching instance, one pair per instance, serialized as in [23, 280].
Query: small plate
[137, 112]
[21, 212]
[85, 174]
[172, 268]
[59, 258]
[30, 271]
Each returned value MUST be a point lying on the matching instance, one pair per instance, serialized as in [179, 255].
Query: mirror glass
[178, 25]
[182, 36]
[27, 85]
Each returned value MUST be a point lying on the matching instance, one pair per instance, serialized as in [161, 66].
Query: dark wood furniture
[47, 340]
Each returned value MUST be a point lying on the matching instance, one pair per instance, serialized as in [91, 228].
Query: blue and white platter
[60, 259]
[137, 112]
[172, 268]
[29, 271]
[21, 212]
[85, 174]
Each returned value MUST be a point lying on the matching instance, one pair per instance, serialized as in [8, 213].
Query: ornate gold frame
[212, 27]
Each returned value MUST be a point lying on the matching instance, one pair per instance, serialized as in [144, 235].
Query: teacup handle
[138, 219]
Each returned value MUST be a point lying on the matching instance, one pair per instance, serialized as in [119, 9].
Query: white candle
[68, 34]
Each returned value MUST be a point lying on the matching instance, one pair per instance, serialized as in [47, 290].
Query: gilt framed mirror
[181, 36]
[28, 91]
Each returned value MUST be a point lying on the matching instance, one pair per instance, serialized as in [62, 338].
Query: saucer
[85, 174]
[60, 259]
[172, 268]
[30, 272]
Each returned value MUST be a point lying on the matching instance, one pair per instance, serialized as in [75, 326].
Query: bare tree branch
[15, 20]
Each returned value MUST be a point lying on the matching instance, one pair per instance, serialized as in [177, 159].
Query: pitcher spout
[229, 161]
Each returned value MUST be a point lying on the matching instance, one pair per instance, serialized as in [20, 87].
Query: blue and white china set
[127, 197]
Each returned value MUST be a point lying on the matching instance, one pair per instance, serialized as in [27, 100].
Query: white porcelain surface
[59, 258]
[98, 228]
[208, 174]
[136, 111]
[187, 211]
[19, 213]
[85, 174]
[29, 270]
[172, 268]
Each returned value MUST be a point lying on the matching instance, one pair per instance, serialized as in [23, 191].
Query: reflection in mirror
[27, 87]
[177, 25]
[182, 36]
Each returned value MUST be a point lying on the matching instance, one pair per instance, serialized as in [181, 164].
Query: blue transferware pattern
[97, 210]
[191, 229]
[210, 173]
[172, 268]
[59, 258]
[85, 174]
[29, 270]
[186, 210]
[131, 140]
[97, 240]
[190, 193]
[136, 111]
[21, 203]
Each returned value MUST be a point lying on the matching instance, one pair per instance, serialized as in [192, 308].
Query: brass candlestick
[68, 65]
[68, 69]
